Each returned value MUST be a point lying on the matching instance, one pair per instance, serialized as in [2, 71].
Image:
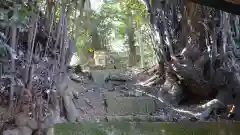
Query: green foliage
[98, 29]
[121, 30]
[6, 49]
[121, 11]
[17, 13]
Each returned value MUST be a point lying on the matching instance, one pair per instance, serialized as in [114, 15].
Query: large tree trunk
[131, 43]
[193, 48]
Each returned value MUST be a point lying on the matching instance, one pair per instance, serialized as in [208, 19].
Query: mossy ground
[147, 128]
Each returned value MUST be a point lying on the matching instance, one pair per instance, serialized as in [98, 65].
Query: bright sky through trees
[96, 4]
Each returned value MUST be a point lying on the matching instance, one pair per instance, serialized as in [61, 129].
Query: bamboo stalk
[64, 48]
[81, 6]
[31, 41]
[50, 31]
[13, 46]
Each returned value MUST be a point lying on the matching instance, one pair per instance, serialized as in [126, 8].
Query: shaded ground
[126, 99]
[148, 128]
[114, 95]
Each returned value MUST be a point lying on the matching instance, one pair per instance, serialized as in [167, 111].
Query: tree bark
[131, 42]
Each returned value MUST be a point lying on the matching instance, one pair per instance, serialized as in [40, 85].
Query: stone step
[99, 76]
[90, 106]
[120, 105]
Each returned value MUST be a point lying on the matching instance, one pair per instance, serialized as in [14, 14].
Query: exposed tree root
[151, 81]
[151, 70]
[193, 75]
[67, 93]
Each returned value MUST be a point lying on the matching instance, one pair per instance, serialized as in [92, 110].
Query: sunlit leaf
[138, 18]
[90, 49]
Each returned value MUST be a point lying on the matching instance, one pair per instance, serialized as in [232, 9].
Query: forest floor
[116, 95]
[125, 98]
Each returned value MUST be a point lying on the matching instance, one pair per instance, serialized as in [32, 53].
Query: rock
[32, 123]
[76, 78]
[25, 130]
[11, 132]
[75, 94]
[21, 119]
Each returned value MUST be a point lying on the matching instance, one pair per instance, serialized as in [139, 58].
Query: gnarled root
[171, 89]
[71, 110]
[210, 107]
[151, 81]
[67, 93]
[222, 101]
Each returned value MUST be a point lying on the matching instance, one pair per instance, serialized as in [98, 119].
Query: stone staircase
[118, 105]
[122, 108]
[111, 104]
